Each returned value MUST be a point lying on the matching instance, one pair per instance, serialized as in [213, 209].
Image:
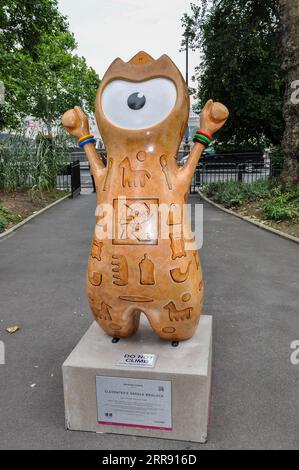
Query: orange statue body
[143, 258]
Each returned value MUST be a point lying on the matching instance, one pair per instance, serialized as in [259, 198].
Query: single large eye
[138, 105]
[135, 101]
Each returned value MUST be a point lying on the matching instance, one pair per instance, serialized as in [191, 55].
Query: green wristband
[203, 137]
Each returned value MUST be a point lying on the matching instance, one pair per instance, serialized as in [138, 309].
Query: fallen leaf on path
[12, 329]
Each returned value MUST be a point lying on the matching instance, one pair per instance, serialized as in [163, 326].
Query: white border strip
[32, 216]
[247, 219]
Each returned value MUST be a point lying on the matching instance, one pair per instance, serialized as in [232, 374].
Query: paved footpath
[251, 279]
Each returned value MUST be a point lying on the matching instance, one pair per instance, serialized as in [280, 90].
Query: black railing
[63, 179]
[70, 178]
[245, 167]
[27, 174]
[75, 178]
[245, 172]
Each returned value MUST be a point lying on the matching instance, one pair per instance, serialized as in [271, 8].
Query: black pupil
[135, 102]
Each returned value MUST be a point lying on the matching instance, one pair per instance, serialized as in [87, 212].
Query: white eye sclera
[138, 105]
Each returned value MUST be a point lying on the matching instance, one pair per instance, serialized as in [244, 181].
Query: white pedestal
[186, 369]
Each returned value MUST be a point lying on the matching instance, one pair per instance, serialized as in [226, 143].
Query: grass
[283, 206]
[29, 165]
[278, 202]
[7, 217]
[32, 161]
[17, 205]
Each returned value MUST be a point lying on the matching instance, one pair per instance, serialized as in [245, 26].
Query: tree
[289, 48]
[59, 80]
[22, 23]
[239, 66]
[42, 75]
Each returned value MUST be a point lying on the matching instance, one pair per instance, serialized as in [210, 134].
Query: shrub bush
[5, 217]
[284, 206]
[279, 202]
[233, 193]
[31, 162]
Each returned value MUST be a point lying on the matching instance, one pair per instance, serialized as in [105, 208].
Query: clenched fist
[75, 122]
[213, 116]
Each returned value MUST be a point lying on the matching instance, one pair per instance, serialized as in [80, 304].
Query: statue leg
[177, 319]
[174, 330]
[113, 318]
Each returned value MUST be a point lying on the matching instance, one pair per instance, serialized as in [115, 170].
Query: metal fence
[245, 167]
[242, 173]
[70, 178]
[26, 174]
[75, 178]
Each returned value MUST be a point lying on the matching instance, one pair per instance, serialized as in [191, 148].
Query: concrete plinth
[93, 380]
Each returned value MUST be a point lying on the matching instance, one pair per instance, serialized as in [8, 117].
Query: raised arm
[76, 123]
[212, 118]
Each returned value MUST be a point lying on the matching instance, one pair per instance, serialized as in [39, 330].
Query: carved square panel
[136, 221]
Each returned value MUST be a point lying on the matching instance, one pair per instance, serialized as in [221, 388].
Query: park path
[251, 279]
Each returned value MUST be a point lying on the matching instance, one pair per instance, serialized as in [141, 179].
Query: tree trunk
[289, 48]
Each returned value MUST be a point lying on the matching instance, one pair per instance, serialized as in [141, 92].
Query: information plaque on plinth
[141, 386]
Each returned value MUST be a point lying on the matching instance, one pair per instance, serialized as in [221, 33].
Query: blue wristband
[200, 141]
[86, 142]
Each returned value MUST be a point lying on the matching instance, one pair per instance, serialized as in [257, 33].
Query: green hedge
[278, 202]
[31, 162]
[6, 217]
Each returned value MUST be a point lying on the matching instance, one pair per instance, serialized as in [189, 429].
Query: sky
[106, 29]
